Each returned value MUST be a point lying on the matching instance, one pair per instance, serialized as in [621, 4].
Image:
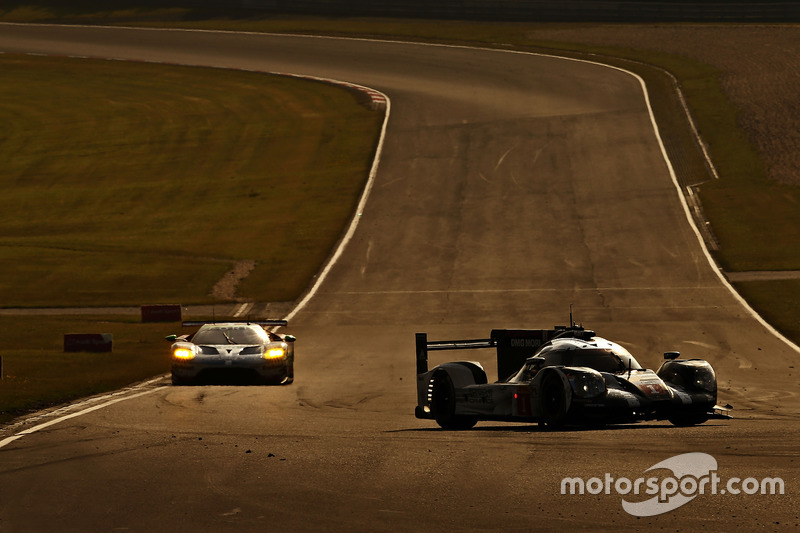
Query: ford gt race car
[233, 350]
[562, 376]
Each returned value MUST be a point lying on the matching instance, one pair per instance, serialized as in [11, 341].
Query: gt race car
[233, 350]
[563, 376]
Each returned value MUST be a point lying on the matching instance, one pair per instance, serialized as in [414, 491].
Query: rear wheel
[554, 401]
[443, 404]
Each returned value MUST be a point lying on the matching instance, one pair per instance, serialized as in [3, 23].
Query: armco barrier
[161, 313]
[88, 342]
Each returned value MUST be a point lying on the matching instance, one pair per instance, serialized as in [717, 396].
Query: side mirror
[538, 361]
[669, 356]
[171, 338]
[289, 338]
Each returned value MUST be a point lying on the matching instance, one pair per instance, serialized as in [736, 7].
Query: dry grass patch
[128, 183]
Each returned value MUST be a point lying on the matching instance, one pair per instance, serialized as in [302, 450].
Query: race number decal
[522, 401]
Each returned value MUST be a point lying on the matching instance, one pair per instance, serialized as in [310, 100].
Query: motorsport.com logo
[693, 474]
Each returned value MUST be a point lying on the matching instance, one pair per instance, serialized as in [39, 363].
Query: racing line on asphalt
[378, 100]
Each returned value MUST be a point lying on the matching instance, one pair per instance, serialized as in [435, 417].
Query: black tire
[178, 381]
[443, 404]
[288, 375]
[688, 419]
[273, 381]
[554, 401]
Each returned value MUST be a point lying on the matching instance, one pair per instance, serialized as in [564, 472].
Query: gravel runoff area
[761, 65]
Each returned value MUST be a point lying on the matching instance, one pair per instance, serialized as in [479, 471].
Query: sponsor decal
[88, 342]
[479, 396]
[525, 343]
[161, 313]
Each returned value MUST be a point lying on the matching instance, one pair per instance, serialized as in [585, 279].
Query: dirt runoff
[225, 288]
[761, 65]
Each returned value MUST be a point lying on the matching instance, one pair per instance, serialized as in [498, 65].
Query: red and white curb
[378, 100]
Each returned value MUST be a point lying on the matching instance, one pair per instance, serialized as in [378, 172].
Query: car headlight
[274, 353]
[587, 385]
[704, 378]
[183, 353]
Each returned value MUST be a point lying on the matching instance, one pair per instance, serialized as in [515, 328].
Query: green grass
[37, 373]
[756, 221]
[130, 183]
[745, 208]
[777, 305]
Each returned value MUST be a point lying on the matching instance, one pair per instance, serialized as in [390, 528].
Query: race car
[233, 350]
[563, 376]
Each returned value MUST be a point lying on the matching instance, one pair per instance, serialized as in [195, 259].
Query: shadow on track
[538, 428]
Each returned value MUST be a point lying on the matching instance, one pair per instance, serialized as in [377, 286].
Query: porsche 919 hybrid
[563, 376]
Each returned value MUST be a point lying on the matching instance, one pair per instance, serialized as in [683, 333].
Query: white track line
[657, 133]
[680, 192]
[242, 309]
[362, 203]
[44, 425]
[378, 100]
[368, 187]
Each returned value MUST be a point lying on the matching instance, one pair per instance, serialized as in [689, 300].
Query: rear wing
[514, 346]
[270, 322]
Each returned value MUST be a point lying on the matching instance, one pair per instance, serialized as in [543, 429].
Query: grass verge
[744, 207]
[770, 297]
[127, 183]
[38, 374]
[755, 221]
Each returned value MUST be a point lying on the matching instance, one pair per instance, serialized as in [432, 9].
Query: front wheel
[554, 401]
[177, 380]
[443, 404]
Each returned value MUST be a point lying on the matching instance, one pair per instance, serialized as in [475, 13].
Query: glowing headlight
[183, 353]
[274, 353]
[705, 379]
[587, 385]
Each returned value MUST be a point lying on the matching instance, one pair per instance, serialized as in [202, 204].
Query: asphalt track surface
[510, 186]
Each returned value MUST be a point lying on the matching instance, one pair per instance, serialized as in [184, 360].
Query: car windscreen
[600, 360]
[228, 336]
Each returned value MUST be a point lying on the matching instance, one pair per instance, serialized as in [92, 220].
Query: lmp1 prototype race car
[233, 350]
[563, 376]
